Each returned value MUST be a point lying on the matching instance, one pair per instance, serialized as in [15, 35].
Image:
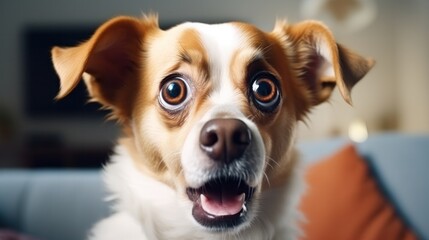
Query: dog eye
[174, 93]
[265, 92]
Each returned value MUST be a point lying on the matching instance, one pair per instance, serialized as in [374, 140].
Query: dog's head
[210, 110]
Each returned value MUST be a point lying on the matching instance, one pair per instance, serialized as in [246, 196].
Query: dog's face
[210, 110]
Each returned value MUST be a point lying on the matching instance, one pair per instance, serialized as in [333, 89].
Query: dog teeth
[244, 207]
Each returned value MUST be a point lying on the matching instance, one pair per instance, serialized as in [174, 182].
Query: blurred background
[36, 131]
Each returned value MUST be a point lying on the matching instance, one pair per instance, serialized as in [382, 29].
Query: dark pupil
[264, 89]
[174, 90]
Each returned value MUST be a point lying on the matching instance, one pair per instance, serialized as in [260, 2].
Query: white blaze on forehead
[221, 42]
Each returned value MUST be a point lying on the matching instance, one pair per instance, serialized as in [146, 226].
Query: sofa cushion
[51, 204]
[343, 201]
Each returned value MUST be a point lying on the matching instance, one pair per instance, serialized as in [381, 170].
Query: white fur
[220, 41]
[326, 70]
[148, 209]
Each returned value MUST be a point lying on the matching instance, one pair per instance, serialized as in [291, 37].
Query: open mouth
[221, 202]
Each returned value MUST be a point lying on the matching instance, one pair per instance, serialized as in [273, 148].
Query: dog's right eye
[265, 92]
[174, 93]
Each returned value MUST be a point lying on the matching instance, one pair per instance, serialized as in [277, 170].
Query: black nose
[225, 140]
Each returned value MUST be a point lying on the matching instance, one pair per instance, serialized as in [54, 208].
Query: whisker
[268, 180]
[272, 160]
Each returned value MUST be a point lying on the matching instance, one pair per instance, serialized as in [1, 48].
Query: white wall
[394, 94]
[412, 65]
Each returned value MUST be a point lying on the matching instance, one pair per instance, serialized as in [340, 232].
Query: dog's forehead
[217, 45]
[227, 47]
[222, 42]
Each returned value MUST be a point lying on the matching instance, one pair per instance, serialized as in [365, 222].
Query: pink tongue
[228, 205]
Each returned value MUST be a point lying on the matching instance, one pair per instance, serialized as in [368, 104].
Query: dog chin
[222, 203]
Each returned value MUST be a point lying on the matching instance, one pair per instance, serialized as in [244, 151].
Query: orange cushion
[343, 201]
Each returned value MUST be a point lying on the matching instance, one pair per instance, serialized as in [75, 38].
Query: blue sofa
[64, 204]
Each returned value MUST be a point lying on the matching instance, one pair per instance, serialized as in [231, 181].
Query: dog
[208, 116]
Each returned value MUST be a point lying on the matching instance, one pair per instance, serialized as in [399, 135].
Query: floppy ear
[109, 61]
[321, 62]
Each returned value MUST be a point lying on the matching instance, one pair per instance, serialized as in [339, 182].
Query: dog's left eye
[265, 92]
[174, 93]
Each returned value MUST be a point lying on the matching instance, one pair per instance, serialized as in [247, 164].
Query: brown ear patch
[110, 59]
[319, 61]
